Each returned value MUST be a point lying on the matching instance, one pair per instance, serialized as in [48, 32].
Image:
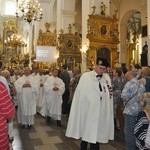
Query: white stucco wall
[65, 14]
[124, 13]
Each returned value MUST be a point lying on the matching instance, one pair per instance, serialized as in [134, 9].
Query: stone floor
[43, 136]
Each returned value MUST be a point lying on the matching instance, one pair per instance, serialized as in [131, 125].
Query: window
[10, 8]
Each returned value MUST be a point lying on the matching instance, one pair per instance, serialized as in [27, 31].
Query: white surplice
[41, 80]
[26, 99]
[53, 99]
[91, 116]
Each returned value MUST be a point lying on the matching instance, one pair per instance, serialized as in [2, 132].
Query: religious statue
[47, 26]
[69, 28]
[39, 41]
[144, 59]
[61, 31]
[40, 32]
[145, 48]
[103, 8]
[115, 33]
[94, 7]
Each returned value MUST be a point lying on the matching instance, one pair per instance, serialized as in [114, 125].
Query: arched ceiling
[134, 23]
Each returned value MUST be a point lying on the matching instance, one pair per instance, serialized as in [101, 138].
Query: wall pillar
[65, 14]
[148, 30]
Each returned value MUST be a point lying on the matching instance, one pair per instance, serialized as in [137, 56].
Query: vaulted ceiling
[134, 23]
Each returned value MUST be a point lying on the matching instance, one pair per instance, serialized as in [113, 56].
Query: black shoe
[29, 127]
[24, 126]
[58, 123]
[11, 140]
[48, 119]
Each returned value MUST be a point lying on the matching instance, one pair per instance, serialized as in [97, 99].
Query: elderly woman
[142, 123]
[118, 83]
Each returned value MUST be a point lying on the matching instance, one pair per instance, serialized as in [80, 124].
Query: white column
[30, 44]
[65, 14]
[86, 8]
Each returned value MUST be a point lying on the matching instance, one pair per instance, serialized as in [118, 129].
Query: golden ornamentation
[103, 8]
[103, 38]
[69, 48]
[14, 41]
[47, 26]
[47, 38]
[69, 28]
[11, 46]
[93, 12]
[10, 27]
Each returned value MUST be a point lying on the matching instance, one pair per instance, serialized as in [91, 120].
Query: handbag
[147, 139]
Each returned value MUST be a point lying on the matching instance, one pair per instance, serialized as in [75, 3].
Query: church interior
[78, 31]
[50, 33]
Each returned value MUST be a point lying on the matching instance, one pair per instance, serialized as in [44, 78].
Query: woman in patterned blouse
[118, 83]
[142, 123]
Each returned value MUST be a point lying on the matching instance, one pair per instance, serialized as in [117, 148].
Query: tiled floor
[43, 136]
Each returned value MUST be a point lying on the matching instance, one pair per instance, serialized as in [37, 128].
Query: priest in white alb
[40, 77]
[27, 89]
[54, 88]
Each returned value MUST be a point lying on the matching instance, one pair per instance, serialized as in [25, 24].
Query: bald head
[27, 71]
[76, 70]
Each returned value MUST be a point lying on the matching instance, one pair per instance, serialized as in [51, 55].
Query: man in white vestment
[35, 71]
[54, 89]
[15, 76]
[91, 116]
[27, 88]
[40, 77]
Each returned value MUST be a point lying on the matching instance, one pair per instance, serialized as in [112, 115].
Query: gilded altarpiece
[69, 48]
[103, 38]
[9, 53]
[47, 38]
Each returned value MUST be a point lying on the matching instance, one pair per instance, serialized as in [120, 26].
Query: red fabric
[7, 110]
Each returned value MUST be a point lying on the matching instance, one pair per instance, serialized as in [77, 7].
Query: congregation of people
[90, 101]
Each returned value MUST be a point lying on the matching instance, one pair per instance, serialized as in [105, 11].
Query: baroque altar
[103, 37]
[69, 45]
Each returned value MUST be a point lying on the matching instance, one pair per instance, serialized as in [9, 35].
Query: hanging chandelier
[14, 41]
[29, 10]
